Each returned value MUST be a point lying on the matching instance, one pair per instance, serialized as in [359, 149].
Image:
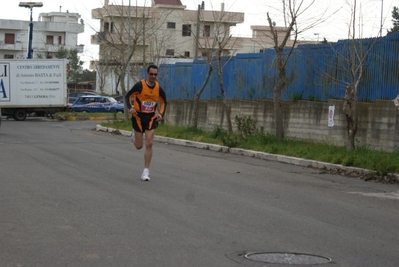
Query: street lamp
[30, 5]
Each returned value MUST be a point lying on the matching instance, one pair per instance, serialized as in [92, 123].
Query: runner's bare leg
[149, 136]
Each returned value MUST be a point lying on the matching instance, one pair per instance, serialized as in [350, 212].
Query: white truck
[30, 86]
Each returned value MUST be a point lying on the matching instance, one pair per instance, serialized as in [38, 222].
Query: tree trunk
[225, 101]
[123, 87]
[349, 109]
[197, 96]
[278, 112]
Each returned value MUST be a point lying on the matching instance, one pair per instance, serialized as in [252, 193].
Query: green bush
[246, 126]
[232, 140]
[218, 132]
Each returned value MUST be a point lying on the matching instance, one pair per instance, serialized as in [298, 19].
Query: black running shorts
[144, 121]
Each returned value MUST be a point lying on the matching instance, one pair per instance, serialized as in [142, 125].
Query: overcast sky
[334, 25]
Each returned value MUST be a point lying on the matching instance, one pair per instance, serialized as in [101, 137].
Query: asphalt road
[72, 196]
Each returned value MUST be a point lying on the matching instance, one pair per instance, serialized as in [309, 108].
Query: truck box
[32, 86]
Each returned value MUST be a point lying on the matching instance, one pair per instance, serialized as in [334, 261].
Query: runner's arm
[136, 89]
[162, 101]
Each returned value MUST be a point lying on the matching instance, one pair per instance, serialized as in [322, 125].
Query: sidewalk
[255, 154]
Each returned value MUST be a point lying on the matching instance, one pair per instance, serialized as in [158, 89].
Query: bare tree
[216, 47]
[125, 33]
[281, 61]
[102, 71]
[207, 48]
[355, 60]
[349, 69]
[197, 95]
[221, 42]
[284, 45]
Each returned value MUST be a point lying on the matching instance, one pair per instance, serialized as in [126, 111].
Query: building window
[8, 56]
[171, 25]
[207, 31]
[50, 39]
[9, 38]
[186, 30]
[204, 54]
[60, 40]
[109, 27]
[170, 52]
[187, 53]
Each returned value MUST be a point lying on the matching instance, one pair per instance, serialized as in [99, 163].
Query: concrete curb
[248, 153]
[73, 118]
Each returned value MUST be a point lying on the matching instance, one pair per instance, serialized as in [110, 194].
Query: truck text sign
[32, 82]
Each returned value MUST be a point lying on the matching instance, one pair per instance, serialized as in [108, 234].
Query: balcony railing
[11, 47]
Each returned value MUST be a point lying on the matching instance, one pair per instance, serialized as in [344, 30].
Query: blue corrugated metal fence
[314, 72]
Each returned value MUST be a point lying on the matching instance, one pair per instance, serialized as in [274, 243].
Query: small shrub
[232, 140]
[218, 132]
[296, 97]
[246, 126]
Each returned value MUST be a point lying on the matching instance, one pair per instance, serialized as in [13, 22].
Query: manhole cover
[287, 258]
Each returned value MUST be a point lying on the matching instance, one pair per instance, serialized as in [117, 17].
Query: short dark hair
[152, 67]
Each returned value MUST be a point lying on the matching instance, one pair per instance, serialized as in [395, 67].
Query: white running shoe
[132, 137]
[146, 175]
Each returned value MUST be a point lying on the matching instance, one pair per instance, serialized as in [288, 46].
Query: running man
[146, 94]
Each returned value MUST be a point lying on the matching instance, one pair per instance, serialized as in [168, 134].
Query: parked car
[72, 96]
[119, 98]
[92, 103]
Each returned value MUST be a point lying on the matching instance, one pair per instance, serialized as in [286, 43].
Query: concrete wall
[304, 120]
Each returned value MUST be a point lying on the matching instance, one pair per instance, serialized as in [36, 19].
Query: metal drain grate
[287, 258]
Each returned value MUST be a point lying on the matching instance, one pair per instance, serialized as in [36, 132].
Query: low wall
[304, 120]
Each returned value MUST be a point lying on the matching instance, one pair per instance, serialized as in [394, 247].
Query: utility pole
[128, 49]
[30, 5]
[198, 32]
[144, 59]
[382, 8]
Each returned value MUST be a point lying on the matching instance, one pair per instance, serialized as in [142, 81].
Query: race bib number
[148, 107]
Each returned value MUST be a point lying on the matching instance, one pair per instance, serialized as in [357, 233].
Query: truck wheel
[20, 115]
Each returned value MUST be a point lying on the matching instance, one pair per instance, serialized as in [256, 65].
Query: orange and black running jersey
[146, 98]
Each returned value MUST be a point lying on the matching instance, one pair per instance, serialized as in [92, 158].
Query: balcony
[104, 37]
[229, 44]
[115, 11]
[11, 47]
[59, 27]
[13, 24]
[230, 18]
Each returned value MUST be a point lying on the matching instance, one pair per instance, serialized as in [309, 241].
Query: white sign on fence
[331, 110]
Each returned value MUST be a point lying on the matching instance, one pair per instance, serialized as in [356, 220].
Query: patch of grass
[116, 116]
[362, 157]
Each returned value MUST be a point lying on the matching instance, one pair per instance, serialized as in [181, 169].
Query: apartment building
[52, 31]
[166, 29]
[166, 32]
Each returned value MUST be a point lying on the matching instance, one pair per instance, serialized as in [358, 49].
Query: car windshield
[112, 100]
